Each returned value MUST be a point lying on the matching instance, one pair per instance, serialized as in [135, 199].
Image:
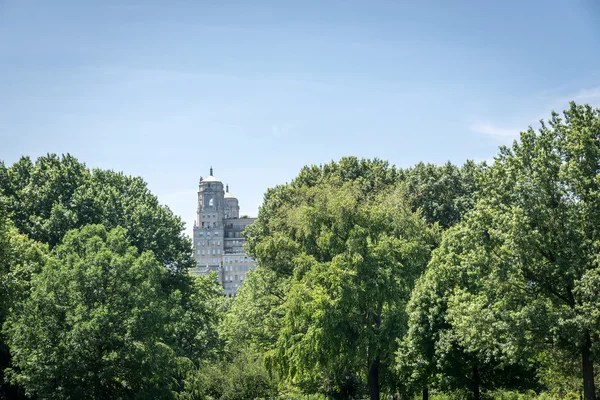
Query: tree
[445, 350]
[20, 257]
[443, 193]
[242, 376]
[54, 195]
[95, 323]
[351, 248]
[538, 225]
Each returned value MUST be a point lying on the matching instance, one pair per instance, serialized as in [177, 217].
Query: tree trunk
[425, 393]
[476, 394]
[373, 379]
[587, 365]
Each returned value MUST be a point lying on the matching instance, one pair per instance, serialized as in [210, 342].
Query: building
[218, 240]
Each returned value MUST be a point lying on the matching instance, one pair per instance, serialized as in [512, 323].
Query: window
[201, 233]
[202, 251]
[219, 243]
[217, 233]
[214, 252]
[218, 251]
[214, 216]
[211, 202]
[198, 252]
[214, 260]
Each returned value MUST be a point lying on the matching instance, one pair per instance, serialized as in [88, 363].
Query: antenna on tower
[211, 171]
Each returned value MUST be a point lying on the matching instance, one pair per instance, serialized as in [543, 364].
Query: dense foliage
[95, 296]
[447, 282]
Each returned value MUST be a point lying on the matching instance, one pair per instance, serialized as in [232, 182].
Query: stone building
[218, 240]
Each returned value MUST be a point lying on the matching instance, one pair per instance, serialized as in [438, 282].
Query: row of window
[208, 216]
[229, 260]
[234, 250]
[229, 268]
[214, 243]
[201, 233]
[231, 286]
[234, 278]
[236, 226]
[201, 252]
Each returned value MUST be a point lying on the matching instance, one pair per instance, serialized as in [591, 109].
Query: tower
[218, 236]
[208, 229]
[232, 208]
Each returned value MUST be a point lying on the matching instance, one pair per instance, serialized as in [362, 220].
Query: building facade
[218, 240]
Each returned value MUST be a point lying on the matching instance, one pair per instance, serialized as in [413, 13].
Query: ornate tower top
[227, 188]
[211, 171]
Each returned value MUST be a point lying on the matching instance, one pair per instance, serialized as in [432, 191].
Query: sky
[258, 89]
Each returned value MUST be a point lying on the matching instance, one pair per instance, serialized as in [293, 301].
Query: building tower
[218, 236]
[232, 208]
[208, 227]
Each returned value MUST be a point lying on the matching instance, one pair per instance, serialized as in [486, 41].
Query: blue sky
[258, 89]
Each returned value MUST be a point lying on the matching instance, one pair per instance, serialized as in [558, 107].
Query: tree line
[473, 281]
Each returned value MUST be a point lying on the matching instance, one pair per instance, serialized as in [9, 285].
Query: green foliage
[54, 195]
[47, 198]
[443, 193]
[241, 377]
[519, 274]
[344, 247]
[195, 315]
[94, 323]
[20, 258]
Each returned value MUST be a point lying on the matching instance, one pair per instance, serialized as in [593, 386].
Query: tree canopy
[347, 248]
[94, 323]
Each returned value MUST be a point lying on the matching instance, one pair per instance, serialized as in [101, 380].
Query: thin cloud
[490, 129]
[589, 96]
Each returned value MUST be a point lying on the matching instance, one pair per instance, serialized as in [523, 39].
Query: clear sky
[258, 89]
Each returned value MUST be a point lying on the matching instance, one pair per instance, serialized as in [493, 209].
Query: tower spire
[211, 171]
[227, 188]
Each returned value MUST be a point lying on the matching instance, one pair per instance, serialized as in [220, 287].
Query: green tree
[443, 193]
[56, 194]
[538, 226]
[95, 323]
[350, 248]
[47, 198]
[444, 350]
[20, 257]
[240, 376]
